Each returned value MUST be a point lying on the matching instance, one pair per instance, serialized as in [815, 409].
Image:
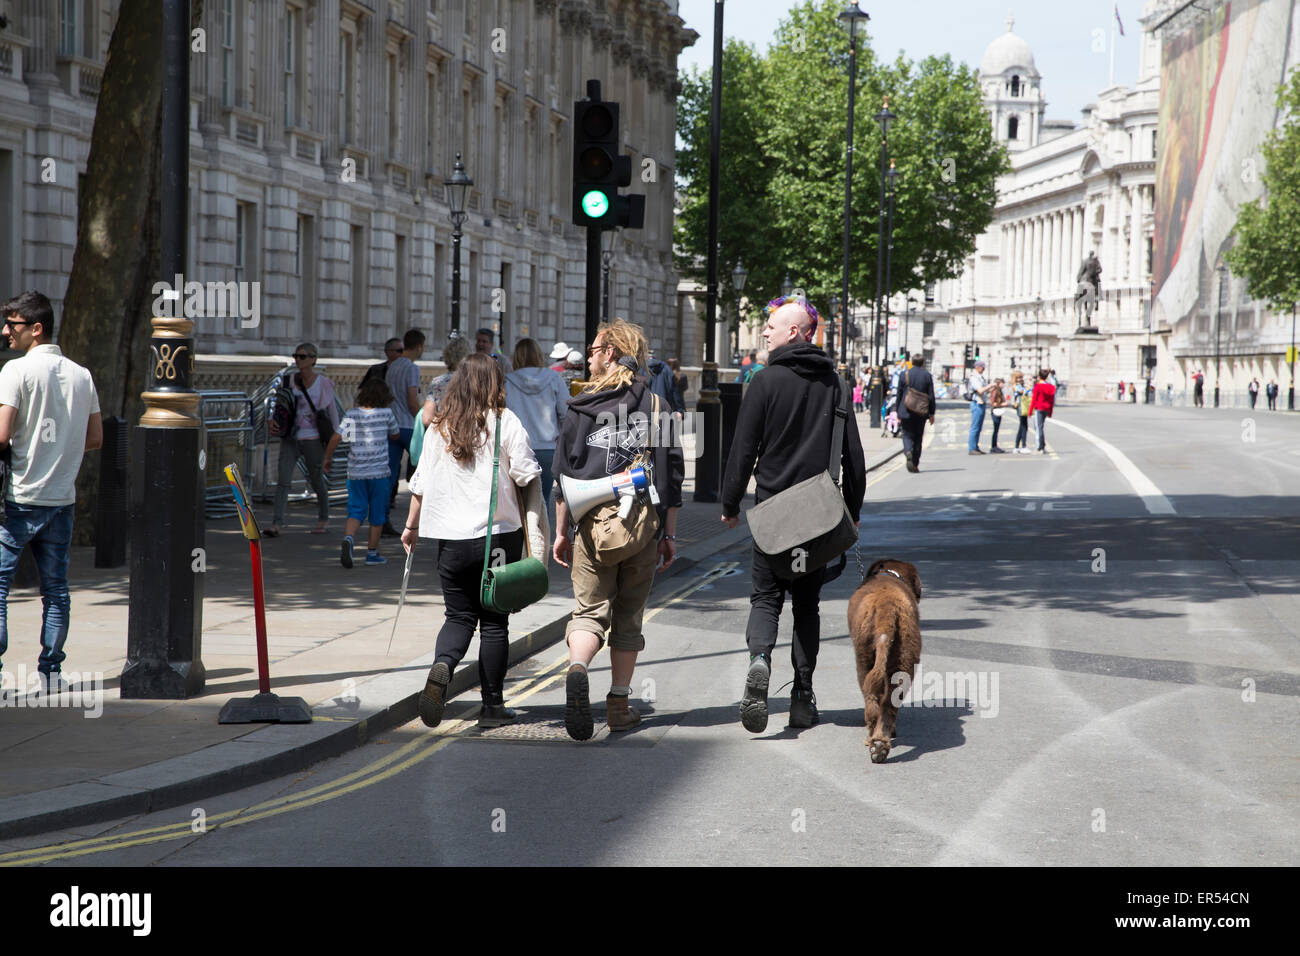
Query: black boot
[495, 715]
[803, 704]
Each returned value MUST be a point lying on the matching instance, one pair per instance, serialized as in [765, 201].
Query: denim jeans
[395, 449]
[1040, 417]
[49, 532]
[976, 425]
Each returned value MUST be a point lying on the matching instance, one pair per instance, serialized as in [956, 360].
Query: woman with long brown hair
[455, 473]
[611, 427]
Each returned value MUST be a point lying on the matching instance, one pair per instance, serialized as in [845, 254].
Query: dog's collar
[890, 571]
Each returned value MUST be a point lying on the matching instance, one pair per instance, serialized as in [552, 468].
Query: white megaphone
[581, 496]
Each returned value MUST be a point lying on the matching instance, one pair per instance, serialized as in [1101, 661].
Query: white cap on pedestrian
[574, 357]
[560, 350]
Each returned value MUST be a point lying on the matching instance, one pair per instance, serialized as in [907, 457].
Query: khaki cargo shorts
[611, 598]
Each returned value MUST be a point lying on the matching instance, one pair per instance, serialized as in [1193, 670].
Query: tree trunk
[107, 308]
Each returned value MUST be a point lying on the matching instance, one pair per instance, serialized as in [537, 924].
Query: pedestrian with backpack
[465, 489]
[371, 427]
[615, 424]
[1021, 398]
[314, 420]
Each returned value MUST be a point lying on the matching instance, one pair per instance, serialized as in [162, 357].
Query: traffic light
[966, 356]
[599, 170]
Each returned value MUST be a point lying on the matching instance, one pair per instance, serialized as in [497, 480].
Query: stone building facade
[321, 132]
[1072, 189]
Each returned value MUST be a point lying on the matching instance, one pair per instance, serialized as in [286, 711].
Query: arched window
[1015, 86]
[1013, 126]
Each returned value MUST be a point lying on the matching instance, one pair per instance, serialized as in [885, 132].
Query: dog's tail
[877, 677]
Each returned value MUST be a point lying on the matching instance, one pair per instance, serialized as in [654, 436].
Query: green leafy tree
[746, 233]
[783, 162]
[1268, 232]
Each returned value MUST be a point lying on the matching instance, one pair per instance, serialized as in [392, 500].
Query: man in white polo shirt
[49, 418]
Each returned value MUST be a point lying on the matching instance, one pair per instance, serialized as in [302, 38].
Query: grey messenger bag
[807, 526]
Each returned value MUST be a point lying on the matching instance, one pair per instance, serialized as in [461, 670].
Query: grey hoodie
[540, 398]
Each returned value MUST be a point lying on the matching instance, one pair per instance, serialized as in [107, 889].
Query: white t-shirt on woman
[456, 496]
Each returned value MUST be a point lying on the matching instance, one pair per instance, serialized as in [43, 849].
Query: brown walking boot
[620, 715]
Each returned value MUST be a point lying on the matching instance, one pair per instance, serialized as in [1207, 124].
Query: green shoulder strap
[492, 507]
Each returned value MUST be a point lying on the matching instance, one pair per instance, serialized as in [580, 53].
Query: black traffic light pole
[598, 172]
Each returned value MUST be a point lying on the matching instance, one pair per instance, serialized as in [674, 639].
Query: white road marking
[1156, 503]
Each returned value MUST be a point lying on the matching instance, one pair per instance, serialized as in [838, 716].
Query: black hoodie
[600, 437]
[785, 426]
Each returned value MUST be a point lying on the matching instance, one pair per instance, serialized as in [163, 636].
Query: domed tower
[1012, 91]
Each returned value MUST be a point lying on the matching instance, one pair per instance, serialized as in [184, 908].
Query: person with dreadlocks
[614, 424]
[783, 437]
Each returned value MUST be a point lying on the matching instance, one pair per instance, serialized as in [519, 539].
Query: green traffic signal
[595, 203]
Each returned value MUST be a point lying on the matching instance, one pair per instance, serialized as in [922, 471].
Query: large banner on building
[1220, 71]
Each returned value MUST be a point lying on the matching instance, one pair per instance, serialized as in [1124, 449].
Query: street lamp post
[892, 176]
[884, 118]
[834, 316]
[1290, 392]
[456, 186]
[1218, 325]
[907, 322]
[708, 468]
[1038, 317]
[851, 16]
[165, 614]
[738, 277]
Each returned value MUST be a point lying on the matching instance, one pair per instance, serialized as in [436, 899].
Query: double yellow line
[406, 756]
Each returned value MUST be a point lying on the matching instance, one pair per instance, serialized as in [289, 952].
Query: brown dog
[885, 626]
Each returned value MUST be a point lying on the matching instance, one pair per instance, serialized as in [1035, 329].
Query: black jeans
[1022, 434]
[460, 565]
[765, 603]
[913, 427]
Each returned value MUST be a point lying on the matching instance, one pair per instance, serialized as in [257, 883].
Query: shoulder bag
[324, 426]
[807, 526]
[614, 538]
[914, 400]
[510, 587]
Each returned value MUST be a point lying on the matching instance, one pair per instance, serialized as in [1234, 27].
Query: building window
[502, 116]
[929, 293]
[402, 310]
[1154, 134]
[245, 241]
[293, 67]
[304, 266]
[1151, 252]
[347, 65]
[68, 28]
[9, 223]
[431, 89]
[228, 52]
[360, 273]
[1013, 127]
[393, 98]
[1015, 86]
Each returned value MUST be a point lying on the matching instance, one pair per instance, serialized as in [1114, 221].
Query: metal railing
[228, 424]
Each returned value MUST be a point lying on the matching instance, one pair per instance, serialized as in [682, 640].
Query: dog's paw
[879, 750]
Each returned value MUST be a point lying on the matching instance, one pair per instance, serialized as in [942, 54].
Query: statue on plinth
[1087, 291]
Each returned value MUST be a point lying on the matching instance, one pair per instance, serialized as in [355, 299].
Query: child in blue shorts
[370, 426]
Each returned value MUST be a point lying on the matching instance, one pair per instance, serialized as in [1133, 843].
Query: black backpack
[283, 407]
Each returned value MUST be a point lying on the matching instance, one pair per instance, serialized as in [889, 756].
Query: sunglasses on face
[596, 348]
[14, 323]
[300, 356]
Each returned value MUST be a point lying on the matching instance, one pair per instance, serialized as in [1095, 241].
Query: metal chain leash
[857, 555]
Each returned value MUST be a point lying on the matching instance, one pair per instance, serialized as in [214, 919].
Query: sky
[1060, 33]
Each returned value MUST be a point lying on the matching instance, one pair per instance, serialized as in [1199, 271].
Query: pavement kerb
[276, 749]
